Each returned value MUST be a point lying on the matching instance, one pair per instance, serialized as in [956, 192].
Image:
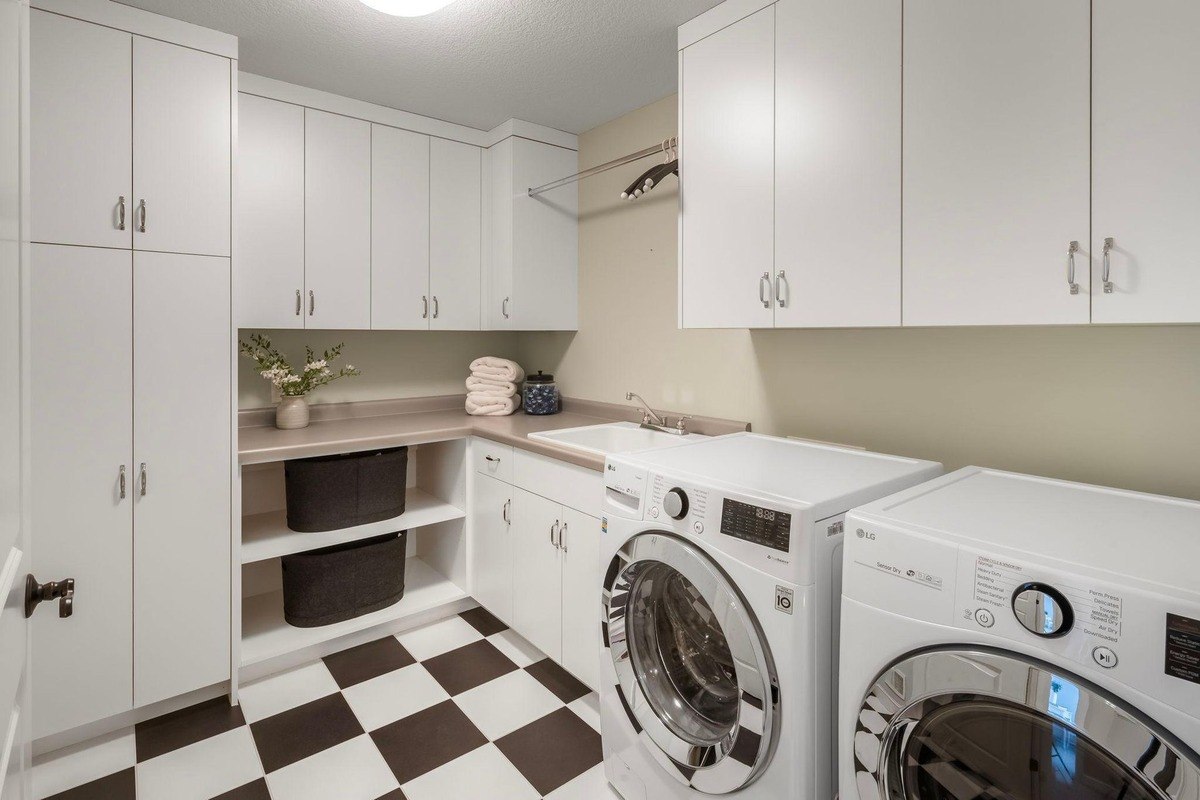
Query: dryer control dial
[675, 503]
[1042, 610]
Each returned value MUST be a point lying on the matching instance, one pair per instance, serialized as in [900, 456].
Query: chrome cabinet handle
[312, 302]
[504, 308]
[142, 224]
[553, 533]
[1108, 284]
[121, 479]
[121, 213]
[764, 289]
[504, 512]
[142, 479]
[425, 301]
[298, 302]
[1071, 251]
[436, 309]
[492, 459]
[781, 284]
[561, 532]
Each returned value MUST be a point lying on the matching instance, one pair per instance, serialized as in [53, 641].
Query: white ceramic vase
[292, 413]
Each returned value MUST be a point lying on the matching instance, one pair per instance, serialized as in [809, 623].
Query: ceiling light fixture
[407, 8]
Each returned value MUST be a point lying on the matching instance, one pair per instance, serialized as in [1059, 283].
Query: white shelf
[265, 635]
[267, 535]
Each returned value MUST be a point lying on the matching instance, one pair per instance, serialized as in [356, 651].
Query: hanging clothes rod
[616, 162]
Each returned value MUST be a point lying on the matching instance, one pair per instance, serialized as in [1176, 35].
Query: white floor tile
[482, 774]
[277, 693]
[591, 785]
[82, 763]
[520, 651]
[588, 707]
[352, 770]
[201, 770]
[440, 637]
[394, 696]
[509, 702]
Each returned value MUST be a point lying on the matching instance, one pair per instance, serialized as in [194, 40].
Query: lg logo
[860, 533]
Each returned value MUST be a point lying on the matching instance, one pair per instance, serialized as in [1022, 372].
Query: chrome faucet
[654, 421]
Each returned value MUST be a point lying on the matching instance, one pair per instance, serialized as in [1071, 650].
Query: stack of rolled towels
[494, 388]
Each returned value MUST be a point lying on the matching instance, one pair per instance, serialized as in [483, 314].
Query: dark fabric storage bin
[331, 492]
[338, 583]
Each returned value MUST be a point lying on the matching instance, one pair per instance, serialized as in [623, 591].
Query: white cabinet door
[727, 141]
[537, 572]
[399, 229]
[581, 582]
[337, 221]
[837, 163]
[81, 133]
[82, 436]
[496, 286]
[996, 162]
[455, 231]
[492, 547]
[181, 143]
[182, 417]
[269, 273]
[1146, 162]
[545, 239]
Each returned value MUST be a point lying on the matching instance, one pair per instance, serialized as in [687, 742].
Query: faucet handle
[681, 425]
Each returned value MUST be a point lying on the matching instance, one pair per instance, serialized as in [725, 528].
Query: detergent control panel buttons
[985, 618]
[1104, 657]
[698, 527]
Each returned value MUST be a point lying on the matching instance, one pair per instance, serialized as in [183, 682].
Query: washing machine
[718, 613]
[1012, 637]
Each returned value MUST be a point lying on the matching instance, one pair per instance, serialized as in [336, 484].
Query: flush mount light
[407, 8]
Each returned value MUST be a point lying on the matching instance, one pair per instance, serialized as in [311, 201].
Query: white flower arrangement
[273, 366]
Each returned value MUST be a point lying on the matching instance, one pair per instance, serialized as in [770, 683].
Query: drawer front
[573, 486]
[493, 458]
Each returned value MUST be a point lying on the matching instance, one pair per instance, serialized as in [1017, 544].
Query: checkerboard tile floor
[463, 709]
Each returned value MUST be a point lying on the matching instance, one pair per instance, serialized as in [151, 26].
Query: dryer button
[1105, 657]
[698, 527]
[654, 512]
[985, 618]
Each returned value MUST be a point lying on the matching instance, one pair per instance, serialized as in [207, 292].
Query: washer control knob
[675, 503]
[1042, 610]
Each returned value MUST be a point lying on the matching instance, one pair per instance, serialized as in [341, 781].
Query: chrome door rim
[917, 684]
[739, 759]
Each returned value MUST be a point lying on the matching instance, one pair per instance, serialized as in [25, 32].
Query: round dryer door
[986, 725]
[693, 667]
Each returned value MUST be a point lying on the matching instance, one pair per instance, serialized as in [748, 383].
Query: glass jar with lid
[540, 396]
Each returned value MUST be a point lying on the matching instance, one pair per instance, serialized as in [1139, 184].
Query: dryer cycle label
[1183, 648]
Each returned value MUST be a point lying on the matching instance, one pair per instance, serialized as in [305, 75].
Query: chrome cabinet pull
[121, 480]
[142, 479]
[312, 302]
[781, 284]
[504, 512]
[1108, 284]
[142, 224]
[425, 301]
[764, 289]
[121, 213]
[436, 308]
[298, 302]
[493, 459]
[504, 308]
[1071, 251]
[554, 533]
[561, 532]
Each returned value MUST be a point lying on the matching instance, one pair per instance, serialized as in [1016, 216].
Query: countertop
[346, 427]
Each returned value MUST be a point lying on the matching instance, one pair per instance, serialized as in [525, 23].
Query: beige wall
[1116, 406]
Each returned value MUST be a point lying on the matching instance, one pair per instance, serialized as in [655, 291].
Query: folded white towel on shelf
[484, 405]
[491, 387]
[500, 369]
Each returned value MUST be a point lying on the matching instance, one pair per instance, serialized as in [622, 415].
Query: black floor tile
[468, 667]
[553, 750]
[118, 786]
[187, 726]
[483, 622]
[566, 687]
[427, 740]
[303, 731]
[368, 661]
[256, 790]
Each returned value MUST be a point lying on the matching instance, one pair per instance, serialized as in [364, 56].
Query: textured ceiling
[569, 64]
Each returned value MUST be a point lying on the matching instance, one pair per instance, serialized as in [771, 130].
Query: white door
[455, 235]
[1145, 160]
[15, 717]
[181, 149]
[183, 469]
[337, 221]
[399, 229]
[582, 582]
[269, 277]
[837, 163]
[81, 134]
[545, 239]
[82, 495]
[996, 162]
[727, 147]
[492, 546]
[537, 572]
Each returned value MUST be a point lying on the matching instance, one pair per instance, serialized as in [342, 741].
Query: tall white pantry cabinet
[131, 342]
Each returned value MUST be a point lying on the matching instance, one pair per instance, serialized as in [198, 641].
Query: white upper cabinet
[727, 141]
[1146, 160]
[81, 132]
[400, 229]
[455, 247]
[837, 168]
[270, 216]
[181, 144]
[337, 221]
[996, 166]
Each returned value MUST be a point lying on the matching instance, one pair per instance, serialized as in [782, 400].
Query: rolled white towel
[497, 369]
[490, 387]
[491, 406]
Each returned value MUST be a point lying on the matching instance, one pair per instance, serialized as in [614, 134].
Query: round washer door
[987, 725]
[693, 668]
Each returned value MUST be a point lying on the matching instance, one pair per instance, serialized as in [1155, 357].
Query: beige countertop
[346, 427]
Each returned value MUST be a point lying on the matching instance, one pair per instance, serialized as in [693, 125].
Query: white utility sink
[613, 437]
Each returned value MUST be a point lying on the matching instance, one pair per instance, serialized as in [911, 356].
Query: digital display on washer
[756, 524]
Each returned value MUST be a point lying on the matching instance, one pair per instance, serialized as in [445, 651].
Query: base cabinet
[581, 581]
[537, 572]
[491, 510]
